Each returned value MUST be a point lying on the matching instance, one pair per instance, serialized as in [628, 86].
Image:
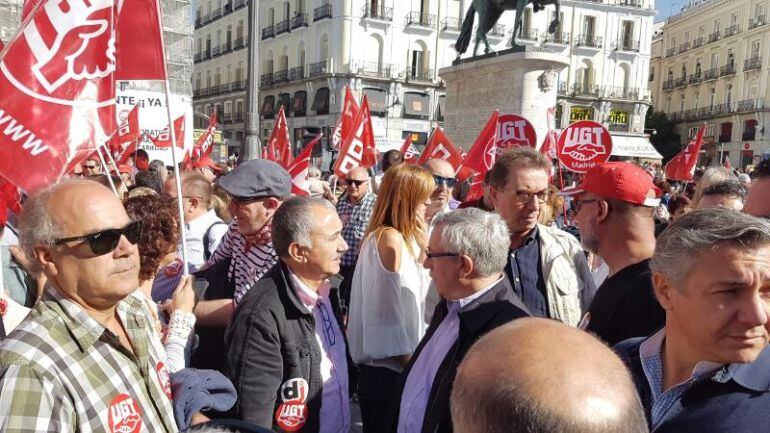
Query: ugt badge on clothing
[292, 412]
[124, 415]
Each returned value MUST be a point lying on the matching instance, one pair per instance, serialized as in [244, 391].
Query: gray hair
[482, 236]
[37, 225]
[702, 231]
[293, 222]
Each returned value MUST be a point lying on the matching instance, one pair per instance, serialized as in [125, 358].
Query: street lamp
[251, 146]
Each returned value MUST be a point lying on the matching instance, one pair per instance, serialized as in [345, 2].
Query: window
[681, 104]
[730, 57]
[712, 97]
[749, 130]
[652, 74]
[755, 49]
[589, 27]
[714, 60]
[697, 100]
[693, 132]
[725, 132]
[627, 35]
[729, 94]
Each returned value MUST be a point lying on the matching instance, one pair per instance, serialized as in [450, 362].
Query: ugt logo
[584, 144]
[71, 41]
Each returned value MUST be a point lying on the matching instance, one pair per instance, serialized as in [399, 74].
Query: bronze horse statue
[489, 13]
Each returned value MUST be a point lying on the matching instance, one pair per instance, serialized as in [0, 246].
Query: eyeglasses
[526, 197]
[448, 181]
[91, 167]
[356, 182]
[575, 205]
[439, 255]
[105, 241]
[242, 201]
[331, 337]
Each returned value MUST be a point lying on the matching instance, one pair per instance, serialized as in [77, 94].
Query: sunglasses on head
[105, 241]
[448, 181]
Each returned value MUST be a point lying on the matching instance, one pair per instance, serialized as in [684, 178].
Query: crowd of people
[620, 303]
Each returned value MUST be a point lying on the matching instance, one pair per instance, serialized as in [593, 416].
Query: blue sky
[666, 8]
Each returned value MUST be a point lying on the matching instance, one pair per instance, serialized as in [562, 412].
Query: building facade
[391, 51]
[710, 71]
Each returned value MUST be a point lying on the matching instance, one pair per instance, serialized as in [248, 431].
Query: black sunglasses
[105, 241]
[356, 182]
[448, 181]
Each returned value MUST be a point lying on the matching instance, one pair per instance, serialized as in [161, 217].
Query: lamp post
[252, 146]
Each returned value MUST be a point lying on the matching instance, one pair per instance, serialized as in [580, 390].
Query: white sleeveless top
[387, 309]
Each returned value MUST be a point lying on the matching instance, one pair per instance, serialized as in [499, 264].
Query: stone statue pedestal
[517, 81]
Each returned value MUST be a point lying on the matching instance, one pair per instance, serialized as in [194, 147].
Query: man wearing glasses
[285, 349]
[758, 201]
[87, 358]
[613, 208]
[91, 168]
[355, 210]
[547, 268]
[466, 255]
[444, 176]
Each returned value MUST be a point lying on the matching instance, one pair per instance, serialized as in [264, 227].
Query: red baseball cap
[620, 181]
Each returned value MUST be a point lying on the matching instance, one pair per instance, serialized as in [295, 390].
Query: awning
[321, 101]
[300, 104]
[440, 109]
[634, 147]
[378, 100]
[416, 105]
[267, 107]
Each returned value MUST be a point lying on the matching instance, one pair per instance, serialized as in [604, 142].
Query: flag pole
[107, 169]
[112, 160]
[177, 177]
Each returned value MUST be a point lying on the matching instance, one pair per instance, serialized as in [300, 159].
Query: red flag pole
[177, 177]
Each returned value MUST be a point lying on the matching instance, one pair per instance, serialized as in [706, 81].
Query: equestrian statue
[489, 12]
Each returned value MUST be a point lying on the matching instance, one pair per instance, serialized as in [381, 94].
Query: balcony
[322, 12]
[684, 47]
[238, 117]
[239, 43]
[266, 80]
[671, 52]
[216, 13]
[618, 127]
[632, 94]
[281, 76]
[582, 90]
[227, 8]
[754, 63]
[282, 27]
[226, 47]
[373, 69]
[300, 20]
[732, 31]
[639, 4]
[726, 70]
[668, 85]
[451, 24]
[711, 74]
[237, 4]
[715, 36]
[238, 85]
[680, 82]
[696, 78]
[202, 20]
[419, 74]
[562, 90]
[589, 41]
[629, 46]
[268, 32]
[378, 12]
[749, 105]
[527, 34]
[558, 38]
[216, 51]
[321, 68]
[498, 31]
[697, 42]
[421, 20]
[297, 73]
[757, 21]
[198, 57]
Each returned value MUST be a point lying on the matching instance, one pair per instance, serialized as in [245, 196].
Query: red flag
[127, 132]
[349, 111]
[163, 139]
[357, 148]
[205, 161]
[279, 144]
[441, 147]
[682, 166]
[411, 154]
[482, 156]
[29, 6]
[549, 142]
[727, 164]
[58, 91]
[139, 42]
[10, 195]
[299, 169]
[206, 139]
[125, 155]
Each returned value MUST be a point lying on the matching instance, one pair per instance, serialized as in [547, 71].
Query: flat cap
[257, 178]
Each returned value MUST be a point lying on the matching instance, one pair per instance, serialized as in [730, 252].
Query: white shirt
[196, 229]
[335, 404]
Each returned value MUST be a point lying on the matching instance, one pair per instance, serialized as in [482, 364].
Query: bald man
[204, 228]
[354, 209]
[444, 176]
[538, 375]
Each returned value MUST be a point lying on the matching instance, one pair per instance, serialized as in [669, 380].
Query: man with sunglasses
[614, 211]
[92, 167]
[444, 176]
[87, 358]
[355, 210]
[758, 200]
[547, 268]
[285, 351]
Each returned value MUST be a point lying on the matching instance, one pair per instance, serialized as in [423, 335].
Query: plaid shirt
[355, 219]
[62, 371]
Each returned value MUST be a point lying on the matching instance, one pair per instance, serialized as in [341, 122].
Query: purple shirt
[335, 405]
[414, 398]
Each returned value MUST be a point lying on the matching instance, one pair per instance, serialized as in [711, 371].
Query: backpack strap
[206, 248]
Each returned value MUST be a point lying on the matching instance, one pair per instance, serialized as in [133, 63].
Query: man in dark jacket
[708, 369]
[286, 354]
[467, 252]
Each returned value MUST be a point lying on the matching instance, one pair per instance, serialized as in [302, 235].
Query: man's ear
[663, 290]
[466, 267]
[603, 210]
[297, 252]
[493, 196]
[44, 259]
